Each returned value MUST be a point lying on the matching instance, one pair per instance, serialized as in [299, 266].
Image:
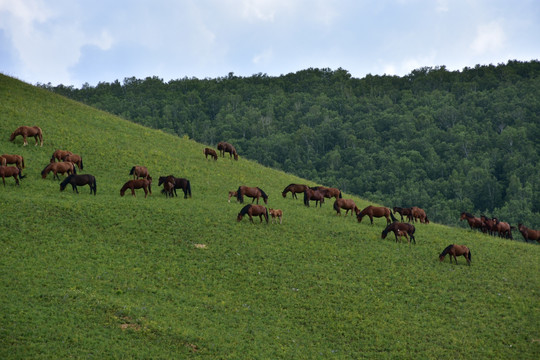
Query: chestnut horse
[403, 212]
[211, 152]
[455, 251]
[503, 228]
[310, 195]
[253, 192]
[80, 180]
[276, 214]
[399, 229]
[62, 168]
[294, 189]
[376, 211]
[224, 147]
[26, 131]
[179, 183]
[231, 194]
[420, 214]
[9, 171]
[529, 233]
[18, 160]
[328, 192]
[59, 155]
[168, 188]
[139, 172]
[145, 184]
[347, 204]
[253, 210]
[75, 159]
[474, 222]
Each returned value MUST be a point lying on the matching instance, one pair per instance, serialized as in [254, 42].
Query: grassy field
[84, 276]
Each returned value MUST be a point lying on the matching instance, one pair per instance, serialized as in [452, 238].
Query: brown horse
[3, 161]
[529, 233]
[328, 192]
[294, 189]
[474, 222]
[211, 152]
[455, 251]
[26, 131]
[488, 225]
[179, 183]
[232, 194]
[62, 168]
[252, 192]
[503, 229]
[276, 214]
[346, 204]
[168, 188]
[224, 147]
[9, 171]
[75, 159]
[420, 214]
[139, 172]
[145, 184]
[79, 180]
[59, 155]
[403, 212]
[18, 160]
[313, 195]
[376, 211]
[400, 229]
[253, 210]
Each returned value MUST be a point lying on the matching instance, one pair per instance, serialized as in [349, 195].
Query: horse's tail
[239, 195]
[188, 188]
[132, 171]
[336, 206]
[81, 164]
[263, 194]
[469, 256]
[267, 215]
[340, 196]
[306, 200]
[393, 217]
[73, 168]
[22, 163]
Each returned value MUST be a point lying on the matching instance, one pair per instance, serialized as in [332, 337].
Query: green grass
[105, 276]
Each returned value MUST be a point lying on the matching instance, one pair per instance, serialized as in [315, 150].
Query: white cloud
[263, 57]
[489, 38]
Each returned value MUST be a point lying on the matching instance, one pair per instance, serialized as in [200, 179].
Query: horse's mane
[66, 181]
[263, 194]
[469, 215]
[446, 250]
[244, 210]
[132, 171]
[46, 167]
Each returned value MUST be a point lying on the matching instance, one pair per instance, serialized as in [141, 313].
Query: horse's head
[122, 192]
[384, 233]
[235, 156]
[239, 217]
[15, 133]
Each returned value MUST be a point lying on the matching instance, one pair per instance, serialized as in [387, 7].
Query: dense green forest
[447, 141]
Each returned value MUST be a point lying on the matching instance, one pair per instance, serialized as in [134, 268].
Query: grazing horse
[145, 184]
[504, 229]
[328, 192]
[211, 152]
[26, 131]
[18, 160]
[400, 229]
[139, 172]
[529, 233]
[276, 214]
[310, 195]
[455, 251]
[294, 189]
[253, 192]
[474, 222]
[9, 171]
[420, 214]
[75, 159]
[253, 210]
[168, 188]
[80, 180]
[224, 147]
[62, 168]
[232, 194]
[347, 204]
[179, 183]
[404, 212]
[60, 154]
[376, 211]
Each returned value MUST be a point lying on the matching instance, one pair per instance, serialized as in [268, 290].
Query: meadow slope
[105, 276]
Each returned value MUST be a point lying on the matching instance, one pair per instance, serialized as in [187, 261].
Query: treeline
[447, 141]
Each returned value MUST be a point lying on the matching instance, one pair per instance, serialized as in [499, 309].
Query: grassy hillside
[105, 276]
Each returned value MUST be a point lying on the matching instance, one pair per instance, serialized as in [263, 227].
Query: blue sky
[73, 42]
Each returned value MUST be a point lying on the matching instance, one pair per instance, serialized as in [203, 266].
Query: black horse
[79, 180]
[179, 183]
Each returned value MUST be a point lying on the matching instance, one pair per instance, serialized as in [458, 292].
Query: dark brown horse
[80, 180]
[294, 189]
[18, 160]
[403, 212]
[454, 251]
[139, 172]
[179, 183]
[211, 152]
[376, 211]
[529, 233]
[346, 204]
[168, 188]
[59, 155]
[145, 184]
[253, 210]
[328, 192]
[26, 131]
[224, 147]
[400, 229]
[253, 192]
[474, 222]
[11, 171]
[503, 229]
[56, 168]
[419, 214]
[75, 159]
[488, 225]
[313, 195]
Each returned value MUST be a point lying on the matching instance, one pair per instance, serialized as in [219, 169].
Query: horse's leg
[145, 192]
[24, 140]
[132, 191]
[371, 218]
[4, 180]
[16, 179]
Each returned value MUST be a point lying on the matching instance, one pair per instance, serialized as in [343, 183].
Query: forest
[446, 141]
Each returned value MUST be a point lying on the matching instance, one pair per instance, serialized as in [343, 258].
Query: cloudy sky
[73, 42]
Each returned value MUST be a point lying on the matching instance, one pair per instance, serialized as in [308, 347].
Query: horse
[59, 155]
[376, 211]
[253, 210]
[18, 160]
[310, 195]
[232, 194]
[80, 180]
[253, 192]
[403, 212]
[420, 214]
[224, 147]
[328, 192]
[474, 222]
[3, 161]
[145, 184]
[75, 159]
[400, 229]
[503, 229]
[529, 233]
[62, 168]
[346, 204]
[488, 225]
[179, 183]
[139, 172]
[276, 214]
[26, 131]
[294, 189]
[455, 251]
[168, 188]
[211, 152]
[9, 171]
